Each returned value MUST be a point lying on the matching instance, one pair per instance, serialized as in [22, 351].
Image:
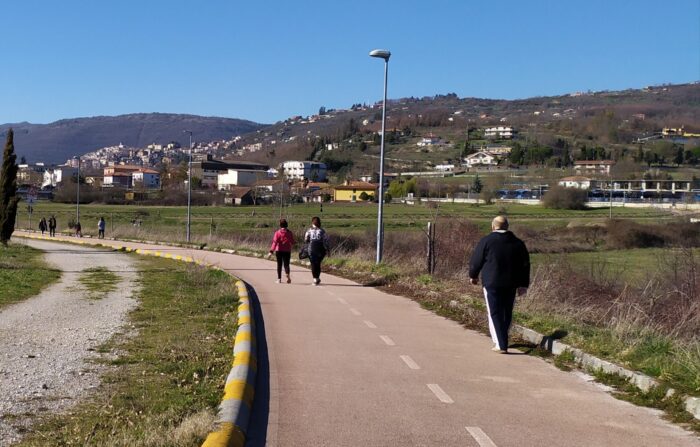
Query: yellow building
[351, 191]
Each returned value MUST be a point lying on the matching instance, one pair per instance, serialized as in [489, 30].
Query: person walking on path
[282, 243]
[78, 230]
[317, 241]
[504, 264]
[42, 225]
[52, 226]
[101, 228]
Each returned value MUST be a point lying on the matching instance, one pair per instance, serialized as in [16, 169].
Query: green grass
[633, 266]
[165, 385]
[341, 217]
[675, 363]
[23, 273]
[98, 281]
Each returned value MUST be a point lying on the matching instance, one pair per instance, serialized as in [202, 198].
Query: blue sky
[268, 60]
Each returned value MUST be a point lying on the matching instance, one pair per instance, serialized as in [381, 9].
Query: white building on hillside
[501, 132]
[480, 159]
[147, 178]
[575, 181]
[240, 177]
[430, 140]
[310, 170]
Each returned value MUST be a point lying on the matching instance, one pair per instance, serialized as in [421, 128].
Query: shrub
[565, 198]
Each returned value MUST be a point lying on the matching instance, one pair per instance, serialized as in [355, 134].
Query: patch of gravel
[47, 341]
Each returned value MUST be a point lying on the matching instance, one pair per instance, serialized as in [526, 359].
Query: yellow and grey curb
[239, 391]
[236, 406]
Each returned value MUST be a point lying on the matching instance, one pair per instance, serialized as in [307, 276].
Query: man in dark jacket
[504, 264]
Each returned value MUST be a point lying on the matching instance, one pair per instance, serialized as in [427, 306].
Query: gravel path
[47, 341]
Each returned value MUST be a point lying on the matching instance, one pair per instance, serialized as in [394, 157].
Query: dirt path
[47, 341]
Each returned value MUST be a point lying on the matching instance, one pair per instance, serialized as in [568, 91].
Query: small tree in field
[8, 190]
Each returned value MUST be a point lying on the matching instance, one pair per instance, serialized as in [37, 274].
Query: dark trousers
[52, 231]
[101, 234]
[283, 258]
[315, 260]
[500, 302]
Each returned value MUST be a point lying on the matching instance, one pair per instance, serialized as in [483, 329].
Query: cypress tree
[8, 190]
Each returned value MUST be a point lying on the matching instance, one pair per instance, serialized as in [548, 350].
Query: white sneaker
[278, 281]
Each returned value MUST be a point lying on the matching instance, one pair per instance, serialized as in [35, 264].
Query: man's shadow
[545, 344]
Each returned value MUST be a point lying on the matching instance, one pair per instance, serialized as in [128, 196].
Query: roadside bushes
[623, 234]
[565, 198]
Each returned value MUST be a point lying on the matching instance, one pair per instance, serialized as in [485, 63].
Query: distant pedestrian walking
[282, 243]
[78, 230]
[101, 228]
[317, 241]
[504, 264]
[52, 226]
[42, 225]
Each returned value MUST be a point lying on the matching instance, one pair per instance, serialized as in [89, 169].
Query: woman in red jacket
[282, 243]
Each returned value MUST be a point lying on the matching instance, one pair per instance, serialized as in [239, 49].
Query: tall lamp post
[77, 195]
[189, 186]
[383, 54]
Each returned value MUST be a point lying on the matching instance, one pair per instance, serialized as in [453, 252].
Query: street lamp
[383, 54]
[77, 195]
[189, 186]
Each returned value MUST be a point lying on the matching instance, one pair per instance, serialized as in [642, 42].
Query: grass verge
[23, 273]
[98, 281]
[163, 380]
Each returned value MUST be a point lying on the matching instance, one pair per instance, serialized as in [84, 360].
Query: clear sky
[268, 60]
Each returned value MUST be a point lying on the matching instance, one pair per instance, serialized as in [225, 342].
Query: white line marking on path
[387, 340]
[411, 364]
[480, 437]
[440, 394]
[370, 324]
[355, 311]
[342, 301]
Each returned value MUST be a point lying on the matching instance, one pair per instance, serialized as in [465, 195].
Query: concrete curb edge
[641, 381]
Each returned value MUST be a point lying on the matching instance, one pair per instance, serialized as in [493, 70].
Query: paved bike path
[351, 365]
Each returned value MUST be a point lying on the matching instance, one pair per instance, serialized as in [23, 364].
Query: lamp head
[384, 54]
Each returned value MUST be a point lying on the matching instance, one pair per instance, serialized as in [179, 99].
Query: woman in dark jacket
[282, 243]
[317, 241]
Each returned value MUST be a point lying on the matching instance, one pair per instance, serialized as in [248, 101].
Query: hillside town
[140, 173]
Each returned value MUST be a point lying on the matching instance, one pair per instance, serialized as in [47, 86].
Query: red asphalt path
[353, 366]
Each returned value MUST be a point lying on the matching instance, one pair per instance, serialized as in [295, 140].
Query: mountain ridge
[59, 140]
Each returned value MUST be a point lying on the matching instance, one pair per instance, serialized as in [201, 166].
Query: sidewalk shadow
[548, 340]
[257, 425]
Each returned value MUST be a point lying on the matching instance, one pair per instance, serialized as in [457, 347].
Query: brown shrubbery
[565, 198]
[667, 302]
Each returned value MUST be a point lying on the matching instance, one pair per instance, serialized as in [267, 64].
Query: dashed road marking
[411, 364]
[480, 437]
[355, 311]
[387, 340]
[370, 324]
[440, 394]
[342, 301]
